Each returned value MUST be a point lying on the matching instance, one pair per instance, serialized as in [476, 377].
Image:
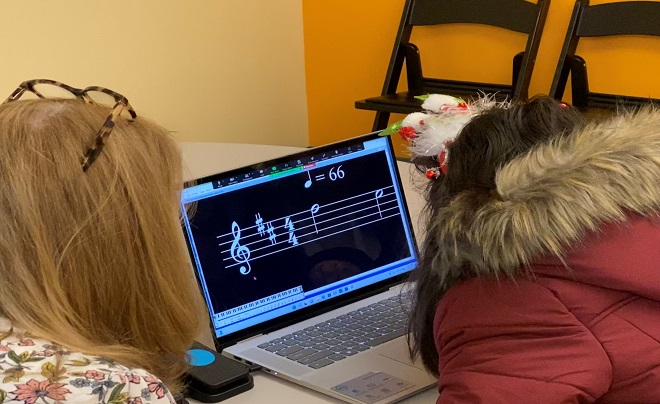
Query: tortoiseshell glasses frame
[121, 103]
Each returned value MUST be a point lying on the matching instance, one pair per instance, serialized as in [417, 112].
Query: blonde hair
[95, 261]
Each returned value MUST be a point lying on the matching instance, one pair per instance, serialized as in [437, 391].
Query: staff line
[298, 236]
[299, 244]
[305, 219]
[307, 234]
[311, 225]
[320, 206]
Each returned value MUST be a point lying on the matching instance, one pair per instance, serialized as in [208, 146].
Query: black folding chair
[610, 19]
[514, 15]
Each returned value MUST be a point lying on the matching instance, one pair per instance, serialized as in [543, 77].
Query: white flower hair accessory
[430, 133]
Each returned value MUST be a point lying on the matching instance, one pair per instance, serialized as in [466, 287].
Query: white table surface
[201, 159]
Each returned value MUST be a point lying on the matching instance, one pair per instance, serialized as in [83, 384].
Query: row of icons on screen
[306, 162]
[218, 322]
[284, 302]
[327, 295]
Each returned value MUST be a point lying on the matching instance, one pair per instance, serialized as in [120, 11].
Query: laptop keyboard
[346, 335]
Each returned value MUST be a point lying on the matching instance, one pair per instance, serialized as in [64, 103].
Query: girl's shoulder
[36, 371]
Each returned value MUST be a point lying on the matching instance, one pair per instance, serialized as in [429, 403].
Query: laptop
[302, 261]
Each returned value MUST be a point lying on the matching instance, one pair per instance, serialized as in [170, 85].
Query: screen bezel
[321, 307]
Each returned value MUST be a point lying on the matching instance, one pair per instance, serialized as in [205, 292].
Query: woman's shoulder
[492, 301]
[36, 370]
[621, 256]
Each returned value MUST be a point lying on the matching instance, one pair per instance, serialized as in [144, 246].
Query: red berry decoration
[408, 133]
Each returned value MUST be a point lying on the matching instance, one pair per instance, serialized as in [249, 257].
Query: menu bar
[288, 167]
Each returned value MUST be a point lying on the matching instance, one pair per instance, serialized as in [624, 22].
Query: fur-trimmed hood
[550, 198]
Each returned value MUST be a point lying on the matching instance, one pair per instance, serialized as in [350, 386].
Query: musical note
[271, 232]
[260, 224]
[239, 253]
[379, 194]
[308, 183]
[314, 210]
[288, 224]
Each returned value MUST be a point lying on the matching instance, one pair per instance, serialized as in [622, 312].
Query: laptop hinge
[403, 286]
[252, 337]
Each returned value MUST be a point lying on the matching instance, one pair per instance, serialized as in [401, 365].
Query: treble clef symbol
[239, 253]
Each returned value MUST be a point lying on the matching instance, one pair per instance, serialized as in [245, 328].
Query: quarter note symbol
[314, 210]
[239, 253]
[379, 194]
[308, 183]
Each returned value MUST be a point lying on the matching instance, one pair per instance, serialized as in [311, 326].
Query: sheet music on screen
[281, 238]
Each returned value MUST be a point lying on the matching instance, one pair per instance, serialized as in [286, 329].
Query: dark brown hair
[486, 143]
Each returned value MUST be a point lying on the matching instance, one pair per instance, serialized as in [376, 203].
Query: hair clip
[433, 173]
[443, 156]
[442, 159]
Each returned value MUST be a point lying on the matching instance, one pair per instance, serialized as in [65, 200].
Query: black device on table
[213, 377]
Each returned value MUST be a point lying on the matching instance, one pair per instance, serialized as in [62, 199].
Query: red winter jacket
[581, 325]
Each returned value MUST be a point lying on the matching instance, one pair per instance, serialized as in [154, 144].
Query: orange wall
[348, 44]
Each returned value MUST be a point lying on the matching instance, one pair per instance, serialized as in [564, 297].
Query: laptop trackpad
[396, 350]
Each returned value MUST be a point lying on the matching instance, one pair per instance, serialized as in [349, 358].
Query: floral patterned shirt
[29, 375]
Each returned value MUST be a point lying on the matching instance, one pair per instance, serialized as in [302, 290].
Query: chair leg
[517, 64]
[413, 69]
[381, 121]
[579, 81]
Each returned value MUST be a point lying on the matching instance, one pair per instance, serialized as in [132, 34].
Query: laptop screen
[282, 236]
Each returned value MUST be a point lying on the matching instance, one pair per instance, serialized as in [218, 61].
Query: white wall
[211, 70]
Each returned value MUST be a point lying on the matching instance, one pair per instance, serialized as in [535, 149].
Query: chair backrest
[609, 19]
[515, 15]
